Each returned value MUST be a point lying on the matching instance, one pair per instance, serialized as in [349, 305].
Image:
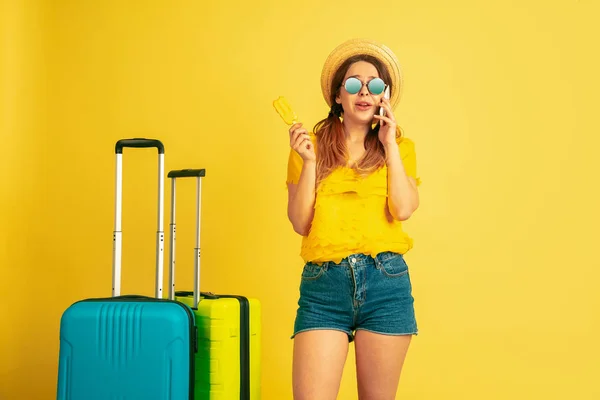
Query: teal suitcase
[128, 346]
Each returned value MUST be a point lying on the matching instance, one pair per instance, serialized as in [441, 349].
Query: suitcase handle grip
[134, 297]
[139, 143]
[188, 293]
[187, 173]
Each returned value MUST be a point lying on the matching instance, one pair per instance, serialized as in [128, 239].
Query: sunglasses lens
[376, 86]
[353, 85]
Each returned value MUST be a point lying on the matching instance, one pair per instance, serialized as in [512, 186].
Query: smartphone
[386, 95]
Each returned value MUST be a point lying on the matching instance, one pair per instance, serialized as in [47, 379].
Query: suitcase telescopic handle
[139, 143]
[118, 234]
[186, 173]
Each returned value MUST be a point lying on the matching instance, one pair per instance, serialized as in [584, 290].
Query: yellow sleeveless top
[351, 214]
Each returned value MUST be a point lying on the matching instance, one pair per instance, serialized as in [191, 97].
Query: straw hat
[354, 47]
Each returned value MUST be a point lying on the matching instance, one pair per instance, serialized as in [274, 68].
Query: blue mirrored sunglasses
[353, 85]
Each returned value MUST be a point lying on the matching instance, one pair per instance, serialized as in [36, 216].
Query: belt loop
[377, 261]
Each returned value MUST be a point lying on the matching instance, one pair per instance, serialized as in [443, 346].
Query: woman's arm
[301, 199]
[403, 196]
[301, 196]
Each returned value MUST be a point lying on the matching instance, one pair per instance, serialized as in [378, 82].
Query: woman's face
[360, 107]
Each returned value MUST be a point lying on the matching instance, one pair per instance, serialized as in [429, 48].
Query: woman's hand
[387, 129]
[301, 143]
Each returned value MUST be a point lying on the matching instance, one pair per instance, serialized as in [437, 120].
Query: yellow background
[501, 99]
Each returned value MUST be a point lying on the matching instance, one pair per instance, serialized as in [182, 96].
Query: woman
[350, 184]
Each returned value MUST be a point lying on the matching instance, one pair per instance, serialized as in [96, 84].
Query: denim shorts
[361, 292]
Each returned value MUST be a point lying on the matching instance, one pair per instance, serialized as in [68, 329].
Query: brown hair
[331, 139]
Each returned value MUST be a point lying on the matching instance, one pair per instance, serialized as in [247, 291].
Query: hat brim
[362, 46]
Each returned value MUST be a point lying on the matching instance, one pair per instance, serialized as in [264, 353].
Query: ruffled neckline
[346, 180]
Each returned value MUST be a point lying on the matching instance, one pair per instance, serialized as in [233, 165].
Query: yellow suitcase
[228, 361]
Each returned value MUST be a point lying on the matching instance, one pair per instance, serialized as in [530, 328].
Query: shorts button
[353, 259]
